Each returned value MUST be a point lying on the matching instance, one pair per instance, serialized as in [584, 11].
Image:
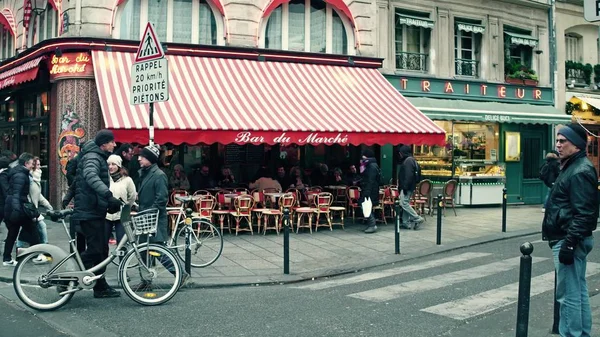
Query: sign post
[591, 10]
[149, 75]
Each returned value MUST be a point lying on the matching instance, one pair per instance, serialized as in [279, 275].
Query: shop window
[8, 110]
[412, 40]
[327, 30]
[8, 140]
[36, 105]
[46, 25]
[467, 47]
[475, 148]
[184, 21]
[34, 139]
[573, 47]
[7, 43]
[518, 50]
[436, 161]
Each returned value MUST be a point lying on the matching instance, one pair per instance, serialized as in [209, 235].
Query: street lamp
[39, 6]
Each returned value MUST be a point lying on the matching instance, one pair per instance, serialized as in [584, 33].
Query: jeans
[572, 291]
[546, 199]
[120, 231]
[408, 214]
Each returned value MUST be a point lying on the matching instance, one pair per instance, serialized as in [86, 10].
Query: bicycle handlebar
[56, 215]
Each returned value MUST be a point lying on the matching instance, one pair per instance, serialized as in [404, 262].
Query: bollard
[556, 318]
[504, 210]
[286, 241]
[397, 209]
[524, 290]
[440, 203]
[188, 249]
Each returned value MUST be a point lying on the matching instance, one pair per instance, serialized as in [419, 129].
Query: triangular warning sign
[150, 48]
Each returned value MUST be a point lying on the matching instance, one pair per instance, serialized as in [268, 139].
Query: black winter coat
[370, 182]
[407, 174]
[71, 169]
[572, 210]
[4, 188]
[19, 181]
[153, 193]
[91, 184]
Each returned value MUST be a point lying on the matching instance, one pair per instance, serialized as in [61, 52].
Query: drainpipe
[553, 64]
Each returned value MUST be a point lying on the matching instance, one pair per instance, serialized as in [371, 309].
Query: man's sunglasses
[561, 141]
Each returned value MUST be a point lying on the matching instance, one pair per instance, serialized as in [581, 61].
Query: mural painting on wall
[70, 136]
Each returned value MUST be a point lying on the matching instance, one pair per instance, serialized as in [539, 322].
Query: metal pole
[286, 241]
[524, 290]
[397, 209]
[504, 210]
[556, 318]
[151, 124]
[440, 203]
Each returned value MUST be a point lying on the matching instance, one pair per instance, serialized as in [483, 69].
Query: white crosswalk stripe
[393, 271]
[439, 281]
[496, 298]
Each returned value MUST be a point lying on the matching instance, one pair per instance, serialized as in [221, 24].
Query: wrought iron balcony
[411, 61]
[466, 67]
[576, 75]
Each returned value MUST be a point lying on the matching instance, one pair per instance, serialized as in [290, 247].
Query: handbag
[30, 210]
[367, 206]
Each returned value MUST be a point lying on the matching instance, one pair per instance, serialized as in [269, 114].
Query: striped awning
[8, 21]
[219, 100]
[23, 73]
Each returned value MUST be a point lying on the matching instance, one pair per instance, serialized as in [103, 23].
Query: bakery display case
[480, 182]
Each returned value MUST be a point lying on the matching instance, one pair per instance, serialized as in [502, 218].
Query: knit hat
[104, 136]
[367, 152]
[576, 134]
[4, 162]
[151, 152]
[114, 159]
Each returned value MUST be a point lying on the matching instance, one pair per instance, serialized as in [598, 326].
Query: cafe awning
[23, 73]
[221, 100]
[460, 110]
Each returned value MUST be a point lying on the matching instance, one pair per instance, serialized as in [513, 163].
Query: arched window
[307, 25]
[7, 47]
[46, 25]
[183, 21]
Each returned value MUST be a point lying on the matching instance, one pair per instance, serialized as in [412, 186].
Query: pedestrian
[570, 219]
[125, 151]
[370, 185]
[92, 200]
[407, 182]
[12, 157]
[19, 183]
[153, 193]
[4, 162]
[123, 188]
[549, 172]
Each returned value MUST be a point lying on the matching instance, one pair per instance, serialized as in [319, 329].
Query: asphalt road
[467, 292]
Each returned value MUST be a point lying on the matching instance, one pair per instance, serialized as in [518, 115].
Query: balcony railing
[411, 61]
[578, 75]
[466, 67]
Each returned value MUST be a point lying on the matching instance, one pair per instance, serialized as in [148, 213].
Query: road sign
[150, 48]
[591, 10]
[149, 82]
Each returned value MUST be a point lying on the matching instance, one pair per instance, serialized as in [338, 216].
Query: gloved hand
[65, 203]
[566, 255]
[114, 205]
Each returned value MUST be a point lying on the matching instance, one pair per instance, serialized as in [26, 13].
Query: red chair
[323, 201]
[243, 211]
[353, 197]
[448, 197]
[422, 196]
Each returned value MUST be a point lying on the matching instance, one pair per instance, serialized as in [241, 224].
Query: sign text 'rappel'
[149, 82]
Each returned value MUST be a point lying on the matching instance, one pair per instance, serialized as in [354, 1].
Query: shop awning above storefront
[219, 100]
[24, 73]
[460, 110]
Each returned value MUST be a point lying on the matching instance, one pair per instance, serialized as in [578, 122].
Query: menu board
[235, 153]
[255, 154]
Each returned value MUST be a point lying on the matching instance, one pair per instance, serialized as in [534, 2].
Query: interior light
[6, 99]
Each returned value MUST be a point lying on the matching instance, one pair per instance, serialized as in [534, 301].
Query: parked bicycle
[50, 285]
[206, 242]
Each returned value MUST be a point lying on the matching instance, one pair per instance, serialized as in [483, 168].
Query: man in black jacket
[569, 221]
[92, 200]
[407, 182]
[370, 185]
[4, 185]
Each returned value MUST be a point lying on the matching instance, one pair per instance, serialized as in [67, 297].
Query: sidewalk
[258, 259]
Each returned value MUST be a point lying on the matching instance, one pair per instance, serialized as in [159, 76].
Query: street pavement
[258, 258]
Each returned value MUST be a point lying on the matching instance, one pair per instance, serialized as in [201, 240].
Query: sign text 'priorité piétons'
[149, 82]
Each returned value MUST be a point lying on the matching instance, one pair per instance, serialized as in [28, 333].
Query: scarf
[36, 176]
[116, 176]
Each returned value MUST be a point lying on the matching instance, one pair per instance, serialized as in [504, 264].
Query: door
[533, 152]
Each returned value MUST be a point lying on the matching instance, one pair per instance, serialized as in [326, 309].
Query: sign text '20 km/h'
[149, 82]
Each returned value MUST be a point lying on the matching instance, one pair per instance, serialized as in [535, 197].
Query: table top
[187, 198]
[231, 195]
[274, 194]
[336, 187]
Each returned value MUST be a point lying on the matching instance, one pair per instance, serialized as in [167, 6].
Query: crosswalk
[458, 309]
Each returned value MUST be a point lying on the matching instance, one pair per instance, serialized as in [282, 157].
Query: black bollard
[286, 241]
[397, 209]
[504, 210]
[524, 290]
[188, 249]
[440, 203]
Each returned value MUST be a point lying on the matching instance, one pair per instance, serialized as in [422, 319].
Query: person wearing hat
[93, 199]
[369, 185]
[123, 188]
[549, 172]
[569, 221]
[153, 193]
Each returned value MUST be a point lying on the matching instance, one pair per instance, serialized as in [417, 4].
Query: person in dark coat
[370, 185]
[549, 172]
[71, 169]
[569, 222]
[15, 218]
[93, 199]
[407, 182]
[4, 184]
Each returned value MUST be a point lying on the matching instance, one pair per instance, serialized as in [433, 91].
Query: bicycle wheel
[156, 285]
[36, 289]
[117, 261]
[206, 243]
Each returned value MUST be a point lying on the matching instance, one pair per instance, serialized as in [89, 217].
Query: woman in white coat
[123, 188]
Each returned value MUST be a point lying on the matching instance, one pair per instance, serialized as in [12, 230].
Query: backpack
[418, 176]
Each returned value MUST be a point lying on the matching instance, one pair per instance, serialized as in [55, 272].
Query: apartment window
[518, 45]
[46, 25]
[7, 40]
[184, 21]
[307, 25]
[572, 44]
[467, 46]
[412, 36]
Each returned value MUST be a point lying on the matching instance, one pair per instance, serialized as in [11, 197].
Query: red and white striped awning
[218, 100]
[24, 73]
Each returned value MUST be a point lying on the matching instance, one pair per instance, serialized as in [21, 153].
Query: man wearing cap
[93, 199]
[370, 185]
[568, 224]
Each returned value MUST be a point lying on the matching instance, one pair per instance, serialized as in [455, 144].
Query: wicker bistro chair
[379, 208]
[422, 196]
[391, 194]
[205, 205]
[287, 200]
[243, 211]
[201, 192]
[259, 207]
[448, 196]
[174, 203]
[353, 204]
[323, 203]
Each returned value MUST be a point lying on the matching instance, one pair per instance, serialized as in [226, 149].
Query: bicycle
[205, 240]
[49, 286]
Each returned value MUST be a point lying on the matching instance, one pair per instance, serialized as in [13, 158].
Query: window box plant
[516, 73]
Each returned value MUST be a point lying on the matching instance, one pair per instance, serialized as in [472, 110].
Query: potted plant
[521, 74]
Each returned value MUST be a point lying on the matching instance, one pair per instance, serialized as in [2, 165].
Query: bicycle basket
[145, 222]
